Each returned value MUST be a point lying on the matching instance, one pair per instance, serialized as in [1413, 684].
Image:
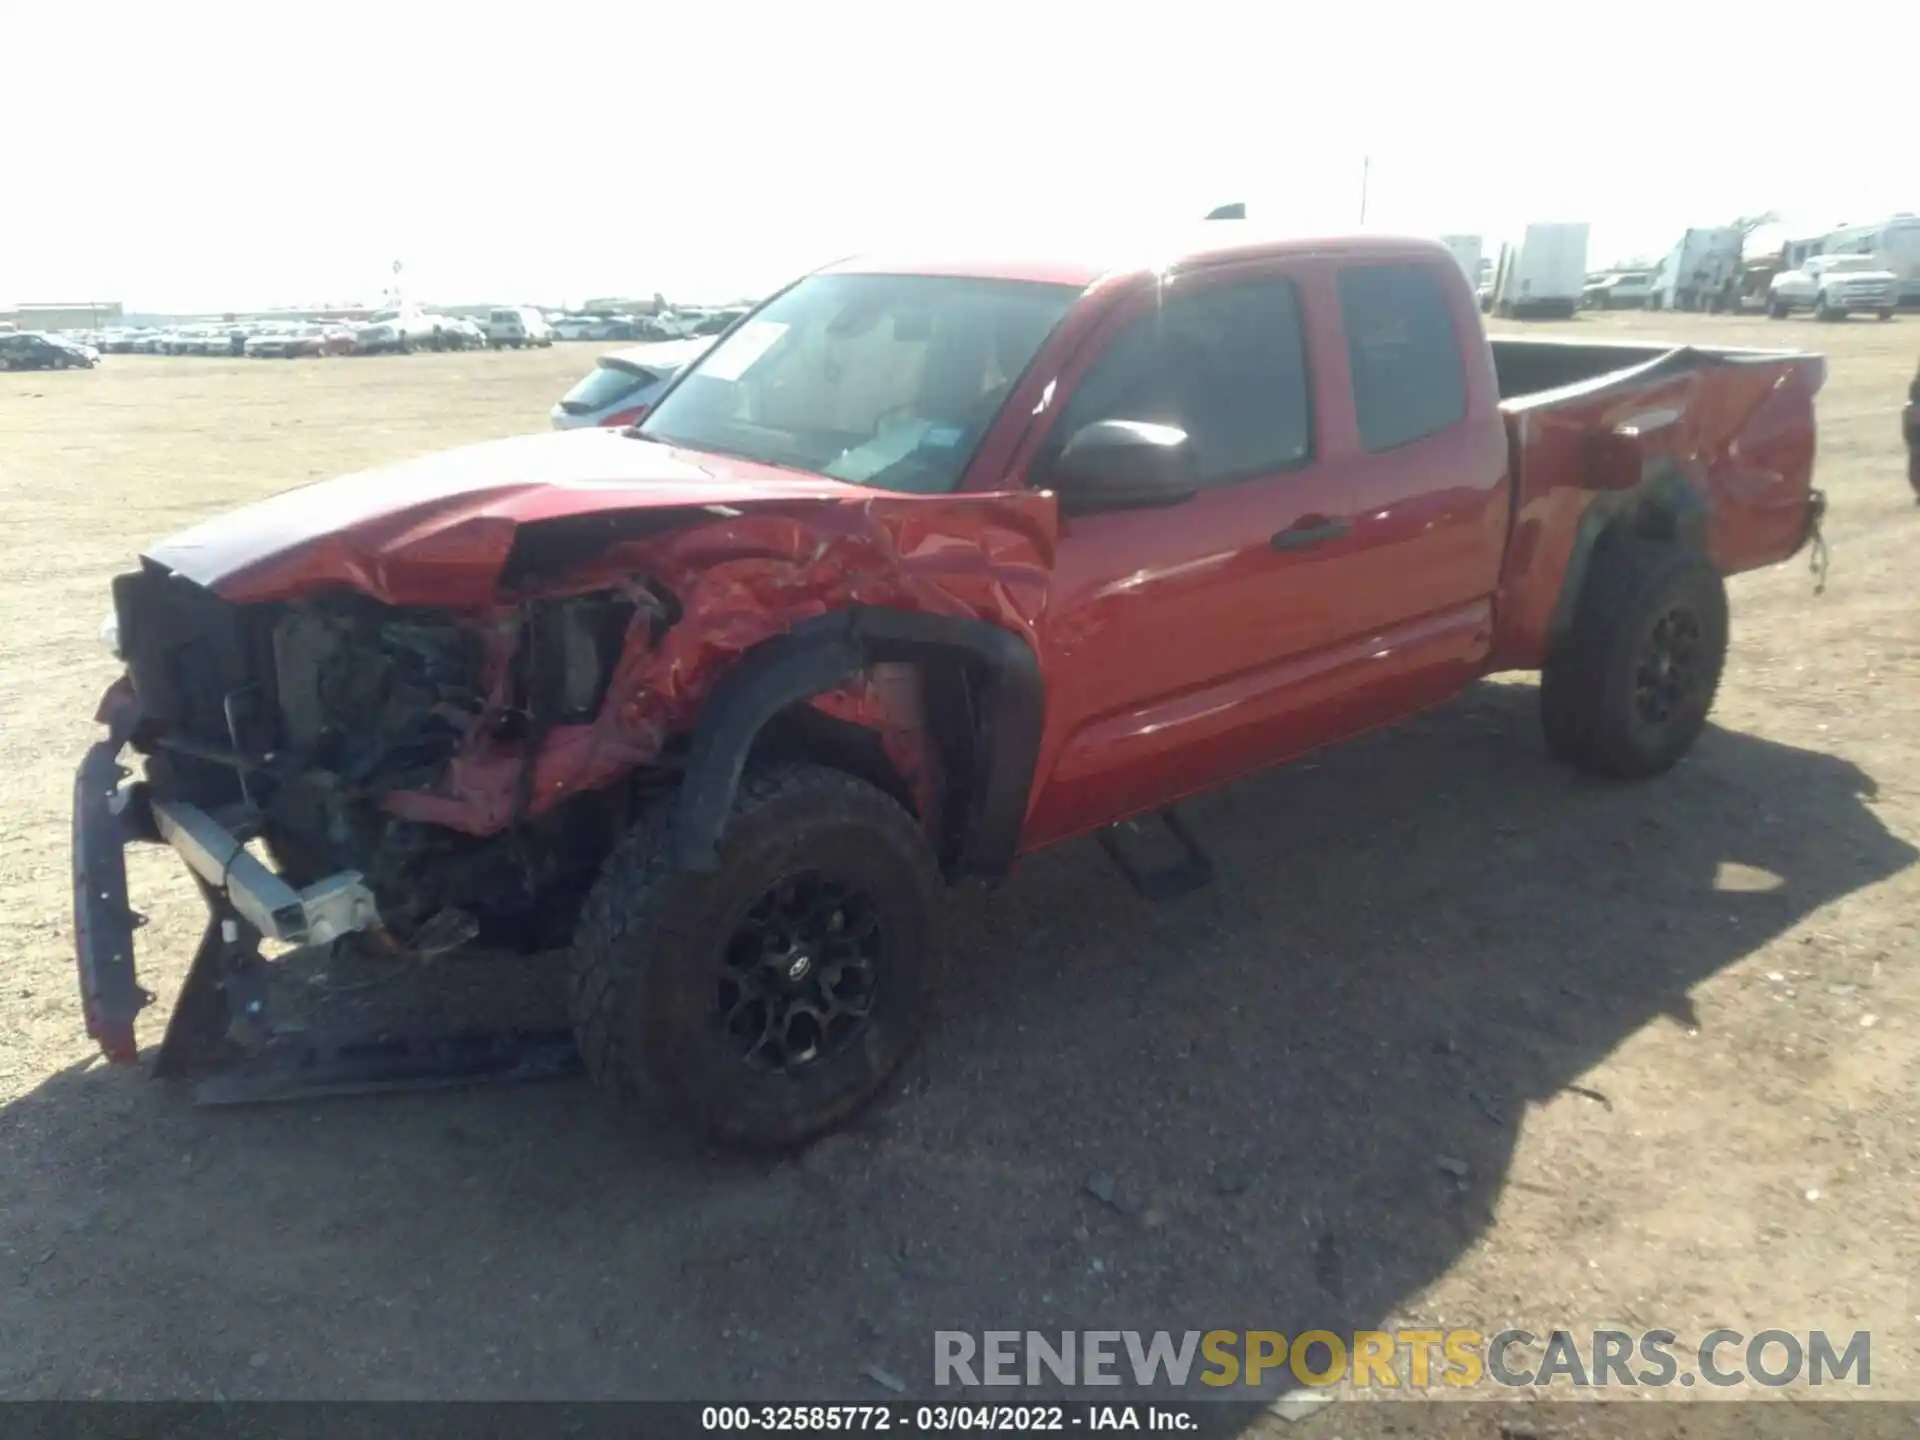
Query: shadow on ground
[1411, 939]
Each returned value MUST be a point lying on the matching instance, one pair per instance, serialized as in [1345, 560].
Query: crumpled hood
[437, 530]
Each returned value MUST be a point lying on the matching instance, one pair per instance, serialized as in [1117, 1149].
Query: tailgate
[1740, 422]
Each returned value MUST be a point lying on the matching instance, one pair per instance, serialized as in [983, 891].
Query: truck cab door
[1312, 587]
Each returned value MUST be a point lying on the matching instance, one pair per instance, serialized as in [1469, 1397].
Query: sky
[200, 155]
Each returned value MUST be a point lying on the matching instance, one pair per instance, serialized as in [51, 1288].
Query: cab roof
[1055, 262]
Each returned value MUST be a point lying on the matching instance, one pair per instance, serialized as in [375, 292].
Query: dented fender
[773, 604]
[826, 653]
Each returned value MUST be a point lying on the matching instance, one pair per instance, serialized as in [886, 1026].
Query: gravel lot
[1668, 1031]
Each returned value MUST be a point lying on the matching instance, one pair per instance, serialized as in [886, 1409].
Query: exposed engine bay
[297, 722]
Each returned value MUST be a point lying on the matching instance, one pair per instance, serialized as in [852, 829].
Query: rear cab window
[1226, 362]
[606, 384]
[1403, 354]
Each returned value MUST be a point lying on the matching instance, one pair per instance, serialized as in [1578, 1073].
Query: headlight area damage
[336, 758]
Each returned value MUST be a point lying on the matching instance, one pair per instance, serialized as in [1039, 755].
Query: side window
[1402, 354]
[1226, 363]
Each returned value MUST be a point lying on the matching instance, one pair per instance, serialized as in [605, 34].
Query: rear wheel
[1627, 694]
[1777, 310]
[1886, 314]
[766, 1002]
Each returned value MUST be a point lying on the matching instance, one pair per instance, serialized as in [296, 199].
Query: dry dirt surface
[1457, 1037]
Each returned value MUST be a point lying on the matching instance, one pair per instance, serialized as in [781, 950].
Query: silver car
[624, 382]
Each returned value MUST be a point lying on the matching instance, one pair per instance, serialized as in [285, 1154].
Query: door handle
[1310, 532]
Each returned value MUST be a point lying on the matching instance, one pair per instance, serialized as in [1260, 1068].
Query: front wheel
[1886, 314]
[1627, 693]
[768, 1001]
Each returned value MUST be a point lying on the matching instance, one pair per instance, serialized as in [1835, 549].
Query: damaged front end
[331, 757]
[273, 738]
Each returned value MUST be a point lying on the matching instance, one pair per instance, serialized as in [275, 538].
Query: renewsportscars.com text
[1399, 1359]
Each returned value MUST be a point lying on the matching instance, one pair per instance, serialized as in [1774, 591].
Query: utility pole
[1366, 164]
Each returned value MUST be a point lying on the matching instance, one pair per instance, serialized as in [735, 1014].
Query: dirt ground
[1669, 1032]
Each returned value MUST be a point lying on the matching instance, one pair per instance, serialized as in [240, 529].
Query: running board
[392, 1065]
[1191, 870]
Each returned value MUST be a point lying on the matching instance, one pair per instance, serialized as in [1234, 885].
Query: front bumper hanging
[103, 921]
[107, 815]
[223, 1032]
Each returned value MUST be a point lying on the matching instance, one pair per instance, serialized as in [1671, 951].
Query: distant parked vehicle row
[667, 325]
[398, 330]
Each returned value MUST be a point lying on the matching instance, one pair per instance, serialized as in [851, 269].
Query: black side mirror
[1123, 464]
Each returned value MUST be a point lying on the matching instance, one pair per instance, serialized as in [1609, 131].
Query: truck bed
[1592, 424]
[1528, 367]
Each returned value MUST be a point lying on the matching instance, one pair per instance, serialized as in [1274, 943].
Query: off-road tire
[1588, 704]
[643, 991]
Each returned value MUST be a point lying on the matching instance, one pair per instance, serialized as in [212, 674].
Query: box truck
[1542, 274]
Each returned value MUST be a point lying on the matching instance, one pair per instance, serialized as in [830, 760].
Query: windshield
[881, 380]
[1853, 262]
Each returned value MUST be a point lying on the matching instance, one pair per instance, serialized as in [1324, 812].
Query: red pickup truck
[1910, 431]
[926, 564]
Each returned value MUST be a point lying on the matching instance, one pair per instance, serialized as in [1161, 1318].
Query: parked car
[917, 571]
[1910, 429]
[36, 350]
[456, 332]
[273, 342]
[1834, 287]
[289, 342]
[622, 384]
[1619, 290]
[397, 331]
[716, 322]
[517, 326]
[596, 327]
[672, 325]
[203, 340]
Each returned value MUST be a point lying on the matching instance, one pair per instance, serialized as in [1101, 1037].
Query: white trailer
[1701, 272]
[1543, 274]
